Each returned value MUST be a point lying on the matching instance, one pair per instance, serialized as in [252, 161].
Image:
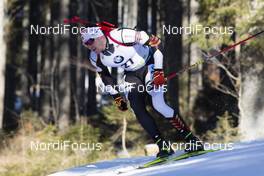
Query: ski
[154, 162]
[160, 161]
[192, 154]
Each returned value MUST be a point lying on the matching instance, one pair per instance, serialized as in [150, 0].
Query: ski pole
[228, 48]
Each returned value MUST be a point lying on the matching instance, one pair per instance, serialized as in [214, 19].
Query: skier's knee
[163, 108]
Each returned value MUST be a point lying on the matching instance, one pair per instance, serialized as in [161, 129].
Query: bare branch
[215, 61]
[222, 88]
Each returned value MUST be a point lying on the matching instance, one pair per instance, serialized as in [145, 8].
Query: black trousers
[137, 101]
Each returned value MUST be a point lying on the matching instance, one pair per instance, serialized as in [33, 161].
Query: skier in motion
[137, 53]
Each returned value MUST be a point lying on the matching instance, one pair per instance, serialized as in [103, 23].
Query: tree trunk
[2, 63]
[33, 65]
[14, 42]
[46, 47]
[188, 58]
[90, 102]
[73, 44]
[173, 49]
[114, 20]
[251, 102]
[142, 18]
[64, 89]
[82, 72]
[154, 17]
[54, 48]
[60, 69]
[124, 129]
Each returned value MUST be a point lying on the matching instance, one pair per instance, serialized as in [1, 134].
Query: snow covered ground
[245, 159]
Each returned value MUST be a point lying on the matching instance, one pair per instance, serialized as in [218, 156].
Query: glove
[158, 78]
[121, 103]
[154, 41]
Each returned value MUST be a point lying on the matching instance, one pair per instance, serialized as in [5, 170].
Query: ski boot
[192, 142]
[165, 149]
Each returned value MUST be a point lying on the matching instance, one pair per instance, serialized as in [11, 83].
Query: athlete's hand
[154, 41]
[121, 103]
[158, 77]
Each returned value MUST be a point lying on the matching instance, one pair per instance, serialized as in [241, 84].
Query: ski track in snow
[245, 159]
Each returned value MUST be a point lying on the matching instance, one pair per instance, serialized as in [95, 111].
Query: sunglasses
[89, 42]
